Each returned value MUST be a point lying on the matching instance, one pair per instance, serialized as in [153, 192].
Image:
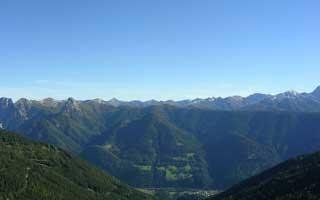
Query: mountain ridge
[250, 102]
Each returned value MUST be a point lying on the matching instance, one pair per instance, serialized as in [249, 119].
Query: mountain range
[202, 143]
[287, 101]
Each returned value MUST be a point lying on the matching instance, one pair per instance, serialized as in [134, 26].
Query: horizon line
[153, 99]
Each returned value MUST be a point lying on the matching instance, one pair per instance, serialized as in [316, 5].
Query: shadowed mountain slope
[295, 179]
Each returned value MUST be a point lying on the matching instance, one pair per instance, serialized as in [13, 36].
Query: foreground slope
[30, 170]
[292, 180]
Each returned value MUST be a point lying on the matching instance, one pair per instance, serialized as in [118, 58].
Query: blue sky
[151, 49]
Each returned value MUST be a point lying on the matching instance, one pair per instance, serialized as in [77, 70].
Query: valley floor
[176, 193]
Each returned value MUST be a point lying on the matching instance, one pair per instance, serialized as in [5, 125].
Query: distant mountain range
[203, 143]
[30, 170]
[287, 101]
[294, 179]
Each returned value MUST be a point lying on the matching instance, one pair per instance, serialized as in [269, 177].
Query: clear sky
[157, 49]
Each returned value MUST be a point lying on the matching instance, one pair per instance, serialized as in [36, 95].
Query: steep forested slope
[295, 179]
[30, 170]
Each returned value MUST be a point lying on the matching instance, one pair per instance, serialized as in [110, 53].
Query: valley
[179, 194]
[169, 146]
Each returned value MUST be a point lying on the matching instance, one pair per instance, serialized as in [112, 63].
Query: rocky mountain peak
[23, 102]
[23, 106]
[71, 100]
[71, 105]
[254, 98]
[114, 102]
[211, 99]
[316, 92]
[288, 94]
[5, 102]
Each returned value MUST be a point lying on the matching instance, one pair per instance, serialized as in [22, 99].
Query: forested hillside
[31, 171]
[295, 179]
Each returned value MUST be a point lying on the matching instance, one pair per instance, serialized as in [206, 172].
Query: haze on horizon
[157, 49]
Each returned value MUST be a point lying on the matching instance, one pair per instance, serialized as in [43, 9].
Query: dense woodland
[35, 171]
[296, 179]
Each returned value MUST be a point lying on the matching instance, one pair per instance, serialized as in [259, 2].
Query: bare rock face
[114, 102]
[10, 113]
[6, 108]
[71, 106]
[6, 103]
[23, 107]
[316, 92]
